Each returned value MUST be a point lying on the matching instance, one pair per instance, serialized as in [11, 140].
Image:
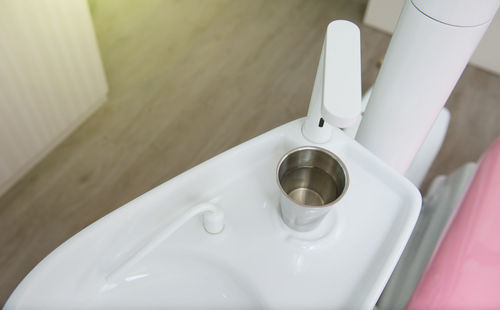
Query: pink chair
[465, 269]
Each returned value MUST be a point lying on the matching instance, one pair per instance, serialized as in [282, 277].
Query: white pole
[430, 48]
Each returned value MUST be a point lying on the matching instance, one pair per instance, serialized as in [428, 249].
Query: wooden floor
[188, 80]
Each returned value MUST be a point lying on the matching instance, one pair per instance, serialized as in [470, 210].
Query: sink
[256, 261]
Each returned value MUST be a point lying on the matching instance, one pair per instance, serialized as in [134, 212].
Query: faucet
[336, 95]
[213, 222]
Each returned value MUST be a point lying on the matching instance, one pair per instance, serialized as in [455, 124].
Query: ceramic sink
[256, 261]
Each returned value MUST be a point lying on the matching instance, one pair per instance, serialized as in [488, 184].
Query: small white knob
[213, 221]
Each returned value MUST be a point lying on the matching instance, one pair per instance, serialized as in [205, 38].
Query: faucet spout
[336, 96]
[213, 222]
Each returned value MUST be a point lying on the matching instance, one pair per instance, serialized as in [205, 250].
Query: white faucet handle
[341, 105]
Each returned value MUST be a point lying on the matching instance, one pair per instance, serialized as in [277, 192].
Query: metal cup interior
[312, 176]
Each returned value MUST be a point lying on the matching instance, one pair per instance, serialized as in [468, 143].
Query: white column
[423, 63]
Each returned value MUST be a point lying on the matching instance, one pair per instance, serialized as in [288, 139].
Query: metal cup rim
[320, 149]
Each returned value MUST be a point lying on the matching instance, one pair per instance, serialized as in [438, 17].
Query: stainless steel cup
[311, 180]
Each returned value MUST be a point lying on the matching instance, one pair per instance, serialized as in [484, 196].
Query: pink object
[465, 270]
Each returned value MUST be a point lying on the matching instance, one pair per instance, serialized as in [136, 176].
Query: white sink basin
[257, 261]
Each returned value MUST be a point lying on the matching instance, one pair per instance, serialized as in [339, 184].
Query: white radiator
[51, 79]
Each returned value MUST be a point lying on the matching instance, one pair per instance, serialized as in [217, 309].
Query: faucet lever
[341, 104]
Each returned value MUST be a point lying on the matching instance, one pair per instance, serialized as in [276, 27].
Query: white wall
[383, 15]
[51, 79]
